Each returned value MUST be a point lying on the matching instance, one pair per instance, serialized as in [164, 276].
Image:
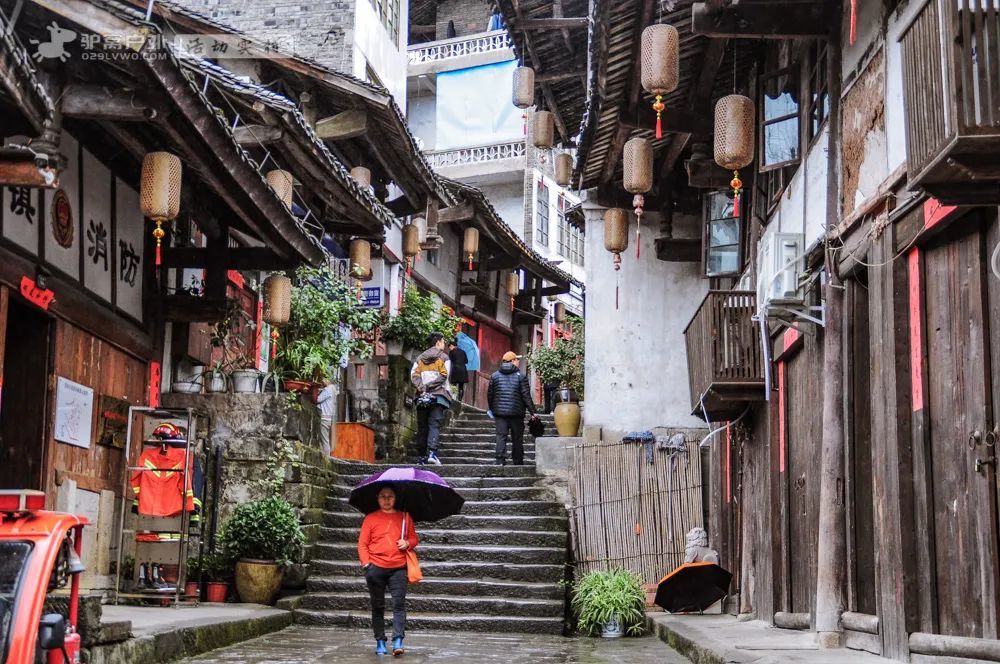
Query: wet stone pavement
[307, 645]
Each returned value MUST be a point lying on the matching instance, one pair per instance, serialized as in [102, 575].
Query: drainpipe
[831, 572]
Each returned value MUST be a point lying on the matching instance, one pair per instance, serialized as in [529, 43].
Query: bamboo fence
[632, 514]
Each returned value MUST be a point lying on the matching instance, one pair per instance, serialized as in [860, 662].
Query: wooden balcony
[725, 362]
[951, 83]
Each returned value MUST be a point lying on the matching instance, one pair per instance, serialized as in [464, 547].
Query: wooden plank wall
[757, 590]
[614, 489]
[86, 359]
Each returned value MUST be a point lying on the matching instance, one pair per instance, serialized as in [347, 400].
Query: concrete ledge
[723, 639]
[167, 634]
[553, 456]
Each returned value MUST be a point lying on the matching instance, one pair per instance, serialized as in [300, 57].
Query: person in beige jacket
[429, 375]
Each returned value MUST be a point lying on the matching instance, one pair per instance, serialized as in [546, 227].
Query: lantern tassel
[470, 262]
[158, 260]
[638, 236]
[854, 21]
[274, 343]
[737, 186]
[658, 106]
[736, 205]
[158, 233]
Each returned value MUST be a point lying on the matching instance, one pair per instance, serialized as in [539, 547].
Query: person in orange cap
[509, 397]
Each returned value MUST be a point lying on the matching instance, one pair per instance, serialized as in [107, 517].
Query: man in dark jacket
[509, 397]
[459, 375]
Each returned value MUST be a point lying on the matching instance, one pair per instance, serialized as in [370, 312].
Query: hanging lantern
[524, 87]
[564, 169]
[513, 287]
[544, 130]
[660, 65]
[160, 191]
[277, 305]
[362, 175]
[616, 238]
[470, 243]
[411, 245]
[734, 139]
[282, 182]
[361, 260]
[560, 312]
[637, 170]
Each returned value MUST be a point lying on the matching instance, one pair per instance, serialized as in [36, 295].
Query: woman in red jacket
[386, 535]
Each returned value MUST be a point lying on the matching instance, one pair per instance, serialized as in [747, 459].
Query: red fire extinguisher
[70, 653]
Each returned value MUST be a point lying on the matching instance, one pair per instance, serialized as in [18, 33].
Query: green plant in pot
[262, 536]
[215, 570]
[610, 602]
[417, 318]
[562, 364]
[326, 326]
[232, 352]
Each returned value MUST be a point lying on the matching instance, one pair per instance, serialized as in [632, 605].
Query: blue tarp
[465, 342]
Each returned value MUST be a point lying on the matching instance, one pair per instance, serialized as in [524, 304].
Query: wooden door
[804, 413]
[963, 500]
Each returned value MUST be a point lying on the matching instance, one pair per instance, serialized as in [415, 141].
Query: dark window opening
[721, 240]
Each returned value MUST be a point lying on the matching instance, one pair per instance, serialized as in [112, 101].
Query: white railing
[456, 47]
[476, 155]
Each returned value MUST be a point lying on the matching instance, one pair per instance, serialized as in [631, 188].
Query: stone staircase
[495, 567]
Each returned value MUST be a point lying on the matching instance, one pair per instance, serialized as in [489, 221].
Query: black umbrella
[420, 492]
[693, 587]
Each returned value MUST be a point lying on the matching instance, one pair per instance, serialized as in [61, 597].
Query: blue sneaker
[433, 458]
[380, 648]
[397, 647]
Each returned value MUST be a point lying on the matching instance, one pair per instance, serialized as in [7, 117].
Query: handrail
[477, 154]
[481, 42]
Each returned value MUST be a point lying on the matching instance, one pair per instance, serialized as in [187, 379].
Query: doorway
[23, 399]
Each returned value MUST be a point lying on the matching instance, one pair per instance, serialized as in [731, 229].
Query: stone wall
[248, 429]
[322, 30]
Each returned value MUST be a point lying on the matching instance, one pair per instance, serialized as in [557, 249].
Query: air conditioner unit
[780, 263]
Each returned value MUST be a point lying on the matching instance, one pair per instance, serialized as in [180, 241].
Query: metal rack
[166, 524]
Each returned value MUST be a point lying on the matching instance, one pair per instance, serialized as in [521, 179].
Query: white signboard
[128, 266]
[61, 226]
[21, 216]
[74, 413]
[99, 251]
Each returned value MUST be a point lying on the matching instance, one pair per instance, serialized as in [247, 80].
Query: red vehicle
[39, 552]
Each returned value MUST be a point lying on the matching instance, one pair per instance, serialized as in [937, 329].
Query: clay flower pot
[567, 416]
[258, 581]
[192, 589]
[216, 591]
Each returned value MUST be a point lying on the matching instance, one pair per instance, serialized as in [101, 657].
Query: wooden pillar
[831, 568]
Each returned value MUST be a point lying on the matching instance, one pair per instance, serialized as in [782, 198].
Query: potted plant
[231, 348]
[263, 537]
[189, 378]
[612, 602]
[192, 574]
[326, 326]
[562, 364]
[417, 318]
[216, 570]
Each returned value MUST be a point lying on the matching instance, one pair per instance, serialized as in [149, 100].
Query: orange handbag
[413, 573]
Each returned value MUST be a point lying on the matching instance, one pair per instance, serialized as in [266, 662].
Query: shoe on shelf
[397, 647]
[433, 459]
[380, 648]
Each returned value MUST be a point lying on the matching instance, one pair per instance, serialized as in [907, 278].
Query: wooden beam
[96, 102]
[553, 106]
[184, 308]
[423, 29]
[675, 120]
[258, 134]
[462, 212]
[344, 125]
[678, 250]
[21, 173]
[764, 19]
[247, 258]
[706, 174]
[555, 77]
[563, 23]
[557, 12]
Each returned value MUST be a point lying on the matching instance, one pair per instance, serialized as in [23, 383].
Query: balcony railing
[725, 363]
[479, 154]
[482, 42]
[951, 84]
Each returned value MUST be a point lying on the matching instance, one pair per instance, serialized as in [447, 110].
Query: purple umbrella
[420, 492]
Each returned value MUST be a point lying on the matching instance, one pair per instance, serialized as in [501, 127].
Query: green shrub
[264, 529]
[213, 566]
[418, 317]
[562, 363]
[600, 596]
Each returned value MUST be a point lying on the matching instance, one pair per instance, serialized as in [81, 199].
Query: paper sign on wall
[74, 413]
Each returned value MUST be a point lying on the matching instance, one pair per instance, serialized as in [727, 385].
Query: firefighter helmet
[168, 431]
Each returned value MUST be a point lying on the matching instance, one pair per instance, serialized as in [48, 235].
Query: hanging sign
[74, 413]
[112, 422]
[40, 297]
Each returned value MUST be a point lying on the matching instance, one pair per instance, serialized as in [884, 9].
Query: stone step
[462, 482]
[433, 569]
[555, 523]
[472, 460]
[452, 604]
[479, 430]
[478, 439]
[480, 507]
[451, 470]
[476, 494]
[446, 587]
[473, 622]
[463, 537]
[524, 555]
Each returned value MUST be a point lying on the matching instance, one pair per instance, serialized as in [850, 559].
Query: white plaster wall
[445, 275]
[802, 208]
[636, 364]
[508, 199]
[421, 116]
[373, 46]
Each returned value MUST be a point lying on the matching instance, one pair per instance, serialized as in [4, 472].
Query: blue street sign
[371, 297]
